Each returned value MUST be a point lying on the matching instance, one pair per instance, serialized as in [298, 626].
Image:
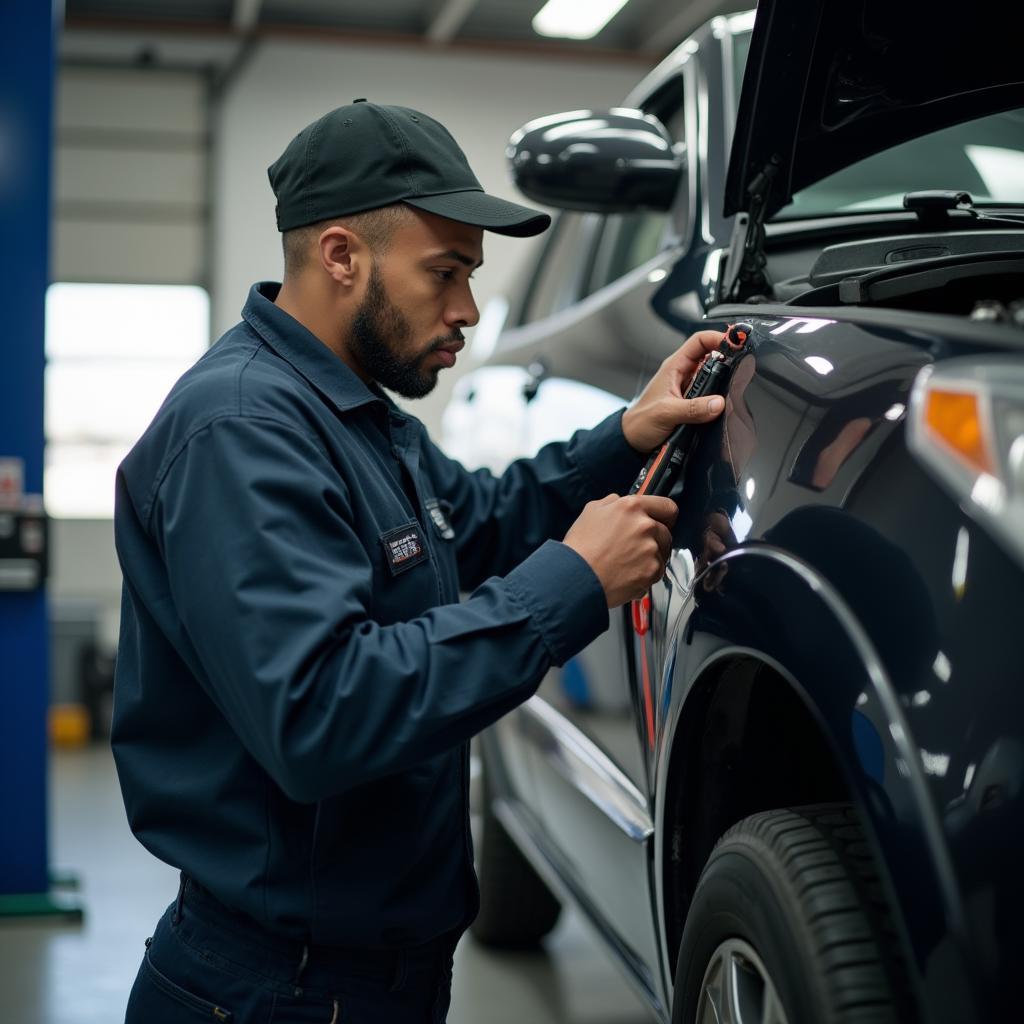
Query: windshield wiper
[935, 205]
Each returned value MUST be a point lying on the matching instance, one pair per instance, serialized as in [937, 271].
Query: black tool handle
[662, 469]
[712, 378]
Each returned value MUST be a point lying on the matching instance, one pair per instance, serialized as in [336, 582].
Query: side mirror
[614, 161]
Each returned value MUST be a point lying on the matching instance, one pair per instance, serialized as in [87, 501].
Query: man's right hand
[626, 541]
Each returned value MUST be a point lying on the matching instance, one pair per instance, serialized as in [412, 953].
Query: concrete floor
[56, 974]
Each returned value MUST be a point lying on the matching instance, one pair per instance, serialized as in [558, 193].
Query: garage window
[113, 352]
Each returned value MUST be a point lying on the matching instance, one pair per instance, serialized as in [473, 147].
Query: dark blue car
[788, 785]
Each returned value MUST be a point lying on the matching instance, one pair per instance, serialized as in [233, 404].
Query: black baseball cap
[366, 155]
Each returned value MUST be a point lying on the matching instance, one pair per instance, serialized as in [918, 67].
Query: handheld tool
[664, 467]
[712, 378]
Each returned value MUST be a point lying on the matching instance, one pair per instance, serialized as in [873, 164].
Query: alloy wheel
[737, 988]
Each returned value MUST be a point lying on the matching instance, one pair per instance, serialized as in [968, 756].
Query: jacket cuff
[606, 459]
[563, 596]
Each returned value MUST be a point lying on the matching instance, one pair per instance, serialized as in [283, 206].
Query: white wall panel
[127, 177]
[83, 566]
[131, 165]
[130, 99]
[131, 252]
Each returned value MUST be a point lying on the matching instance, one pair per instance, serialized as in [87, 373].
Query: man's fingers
[686, 358]
[674, 411]
[700, 410]
[664, 538]
[664, 510]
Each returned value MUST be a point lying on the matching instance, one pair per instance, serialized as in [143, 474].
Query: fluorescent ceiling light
[575, 19]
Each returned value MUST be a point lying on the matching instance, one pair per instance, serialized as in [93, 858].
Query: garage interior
[165, 117]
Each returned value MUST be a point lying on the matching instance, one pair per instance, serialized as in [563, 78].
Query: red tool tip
[737, 334]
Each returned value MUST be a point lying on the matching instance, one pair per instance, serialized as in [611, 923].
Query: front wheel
[789, 925]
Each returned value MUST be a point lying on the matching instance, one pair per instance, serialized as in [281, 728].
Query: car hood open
[829, 82]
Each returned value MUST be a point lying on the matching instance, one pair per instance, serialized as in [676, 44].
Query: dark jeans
[203, 963]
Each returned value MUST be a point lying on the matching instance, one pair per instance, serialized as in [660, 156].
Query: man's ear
[342, 254]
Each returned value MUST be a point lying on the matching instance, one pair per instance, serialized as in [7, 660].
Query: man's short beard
[379, 332]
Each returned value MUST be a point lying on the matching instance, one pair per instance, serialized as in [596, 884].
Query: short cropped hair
[374, 227]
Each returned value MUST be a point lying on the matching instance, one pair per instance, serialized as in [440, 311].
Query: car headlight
[966, 423]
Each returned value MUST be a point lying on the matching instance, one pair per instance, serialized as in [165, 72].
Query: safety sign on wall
[23, 530]
[12, 482]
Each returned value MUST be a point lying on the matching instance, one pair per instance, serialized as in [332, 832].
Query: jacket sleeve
[499, 520]
[273, 588]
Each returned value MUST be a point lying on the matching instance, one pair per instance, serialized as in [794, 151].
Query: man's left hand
[661, 407]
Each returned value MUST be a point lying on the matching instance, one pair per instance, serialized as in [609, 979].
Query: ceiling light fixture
[575, 19]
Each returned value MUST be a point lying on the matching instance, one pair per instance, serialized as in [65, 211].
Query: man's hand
[661, 407]
[626, 541]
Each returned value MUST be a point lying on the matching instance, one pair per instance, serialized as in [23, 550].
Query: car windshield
[984, 157]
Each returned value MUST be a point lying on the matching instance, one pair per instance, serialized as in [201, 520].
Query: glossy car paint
[892, 614]
[883, 609]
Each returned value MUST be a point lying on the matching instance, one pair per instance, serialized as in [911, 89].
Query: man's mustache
[439, 342]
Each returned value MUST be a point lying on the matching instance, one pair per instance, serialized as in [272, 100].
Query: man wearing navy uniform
[297, 680]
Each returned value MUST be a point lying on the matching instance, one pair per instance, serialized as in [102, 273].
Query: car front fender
[761, 603]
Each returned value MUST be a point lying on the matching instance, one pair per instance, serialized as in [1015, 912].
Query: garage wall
[481, 97]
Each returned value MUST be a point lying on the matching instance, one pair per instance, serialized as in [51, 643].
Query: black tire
[516, 908]
[792, 899]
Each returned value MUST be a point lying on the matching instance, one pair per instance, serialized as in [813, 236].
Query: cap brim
[482, 210]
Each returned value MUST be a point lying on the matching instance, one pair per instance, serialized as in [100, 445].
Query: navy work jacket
[296, 677]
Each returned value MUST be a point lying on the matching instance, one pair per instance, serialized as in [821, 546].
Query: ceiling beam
[245, 15]
[663, 33]
[449, 19]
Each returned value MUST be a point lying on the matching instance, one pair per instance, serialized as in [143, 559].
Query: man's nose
[462, 312]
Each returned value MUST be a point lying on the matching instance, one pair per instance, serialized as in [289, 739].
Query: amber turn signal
[956, 418]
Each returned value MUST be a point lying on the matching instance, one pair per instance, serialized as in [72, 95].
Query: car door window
[629, 239]
[563, 265]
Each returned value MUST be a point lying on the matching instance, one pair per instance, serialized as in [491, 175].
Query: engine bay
[975, 270]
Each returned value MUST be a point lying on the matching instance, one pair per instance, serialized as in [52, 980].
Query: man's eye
[446, 274]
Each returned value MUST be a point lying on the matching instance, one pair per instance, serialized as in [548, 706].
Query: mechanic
[297, 680]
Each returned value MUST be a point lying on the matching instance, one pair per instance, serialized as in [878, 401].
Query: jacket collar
[306, 352]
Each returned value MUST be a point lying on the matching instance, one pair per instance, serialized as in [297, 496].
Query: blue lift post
[27, 42]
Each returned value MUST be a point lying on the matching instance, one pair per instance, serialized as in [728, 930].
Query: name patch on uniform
[403, 548]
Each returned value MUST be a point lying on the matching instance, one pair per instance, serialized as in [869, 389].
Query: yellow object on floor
[69, 725]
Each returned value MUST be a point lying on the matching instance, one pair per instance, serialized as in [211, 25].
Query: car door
[587, 750]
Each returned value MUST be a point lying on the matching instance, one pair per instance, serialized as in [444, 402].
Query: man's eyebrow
[459, 257]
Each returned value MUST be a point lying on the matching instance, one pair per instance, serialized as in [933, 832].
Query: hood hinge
[746, 278]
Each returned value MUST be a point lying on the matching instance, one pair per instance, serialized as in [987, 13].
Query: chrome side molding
[589, 770]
